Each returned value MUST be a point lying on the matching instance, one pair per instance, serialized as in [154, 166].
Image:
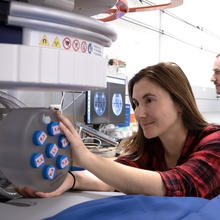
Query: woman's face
[155, 111]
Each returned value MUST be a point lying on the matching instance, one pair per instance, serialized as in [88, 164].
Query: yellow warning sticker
[44, 41]
[56, 43]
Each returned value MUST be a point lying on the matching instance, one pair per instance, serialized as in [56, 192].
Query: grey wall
[208, 103]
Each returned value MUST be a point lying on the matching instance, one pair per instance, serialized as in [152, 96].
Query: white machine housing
[60, 50]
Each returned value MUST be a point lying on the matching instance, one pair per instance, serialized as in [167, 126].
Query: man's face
[216, 75]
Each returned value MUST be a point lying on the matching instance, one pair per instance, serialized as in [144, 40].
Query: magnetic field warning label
[63, 42]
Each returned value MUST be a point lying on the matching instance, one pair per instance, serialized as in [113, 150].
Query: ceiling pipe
[122, 8]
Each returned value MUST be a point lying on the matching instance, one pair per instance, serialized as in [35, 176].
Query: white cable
[62, 99]
[80, 131]
[92, 143]
[68, 105]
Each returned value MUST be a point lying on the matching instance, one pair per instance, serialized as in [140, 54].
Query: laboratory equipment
[33, 150]
[51, 48]
[95, 133]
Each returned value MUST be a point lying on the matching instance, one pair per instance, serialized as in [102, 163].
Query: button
[49, 172]
[53, 128]
[62, 162]
[63, 142]
[46, 119]
[39, 138]
[51, 150]
[37, 160]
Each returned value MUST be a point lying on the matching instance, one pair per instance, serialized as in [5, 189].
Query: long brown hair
[170, 77]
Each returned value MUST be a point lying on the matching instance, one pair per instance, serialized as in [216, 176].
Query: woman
[174, 153]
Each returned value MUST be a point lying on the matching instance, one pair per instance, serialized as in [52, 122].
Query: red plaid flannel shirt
[197, 172]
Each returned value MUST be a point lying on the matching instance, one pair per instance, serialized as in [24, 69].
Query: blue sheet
[138, 207]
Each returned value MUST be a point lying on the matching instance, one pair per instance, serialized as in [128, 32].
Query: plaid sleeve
[126, 161]
[199, 176]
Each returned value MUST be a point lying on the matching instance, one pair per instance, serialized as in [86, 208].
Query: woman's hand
[30, 193]
[78, 149]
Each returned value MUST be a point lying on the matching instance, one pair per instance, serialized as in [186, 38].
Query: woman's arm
[84, 181]
[126, 179]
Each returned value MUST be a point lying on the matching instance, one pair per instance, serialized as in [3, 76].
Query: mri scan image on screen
[100, 102]
[106, 106]
[96, 107]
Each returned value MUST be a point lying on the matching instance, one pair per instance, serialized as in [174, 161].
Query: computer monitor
[106, 106]
[116, 105]
[97, 107]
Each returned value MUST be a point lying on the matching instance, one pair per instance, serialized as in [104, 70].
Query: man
[216, 75]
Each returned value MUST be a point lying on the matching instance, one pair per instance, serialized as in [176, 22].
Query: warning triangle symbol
[56, 43]
[44, 41]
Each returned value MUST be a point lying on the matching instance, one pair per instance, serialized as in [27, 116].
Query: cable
[68, 105]
[186, 22]
[160, 31]
[91, 143]
[62, 99]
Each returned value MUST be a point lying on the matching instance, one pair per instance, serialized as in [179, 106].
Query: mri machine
[44, 44]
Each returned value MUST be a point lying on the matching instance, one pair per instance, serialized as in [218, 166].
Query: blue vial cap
[62, 162]
[53, 128]
[49, 172]
[37, 160]
[63, 142]
[39, 138]
[51, 150]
